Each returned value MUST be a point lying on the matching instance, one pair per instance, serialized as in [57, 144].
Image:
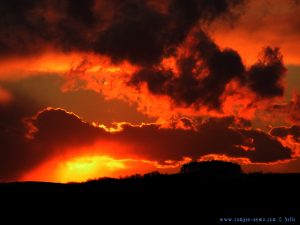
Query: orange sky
[263, 23]
[91, 94]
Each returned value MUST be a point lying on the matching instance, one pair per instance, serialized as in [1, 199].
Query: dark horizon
[214, 198]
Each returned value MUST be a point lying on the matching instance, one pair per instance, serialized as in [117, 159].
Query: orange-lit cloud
[90, 72]
[172, 90]
[52, 61]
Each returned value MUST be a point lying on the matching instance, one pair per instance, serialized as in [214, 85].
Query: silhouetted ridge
[219, 189]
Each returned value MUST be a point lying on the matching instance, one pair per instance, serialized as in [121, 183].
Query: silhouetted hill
[204, 197]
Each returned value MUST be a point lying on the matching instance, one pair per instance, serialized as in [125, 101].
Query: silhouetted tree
[211, 167]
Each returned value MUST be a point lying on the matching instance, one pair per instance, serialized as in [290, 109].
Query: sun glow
[84, 168]
[77, 169]
[81, 167]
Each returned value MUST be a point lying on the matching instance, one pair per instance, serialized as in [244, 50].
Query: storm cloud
[52, 131]
[284, 132]
[145, 34]
[124, 30]
[157, 143]
[204, 74]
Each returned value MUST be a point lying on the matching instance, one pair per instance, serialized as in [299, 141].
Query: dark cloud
[28, 27]
[132, 30]
[52, 124]
[188, 88]
[204, 74]
[283, 132]
[184, 15]
[156, 143]
[27, 143]
[267, 148]
[215, 136]
[136, 33]
[143, 34]
[265, 77]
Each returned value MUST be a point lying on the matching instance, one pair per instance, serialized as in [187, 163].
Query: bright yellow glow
[77, 166]
[84, 168]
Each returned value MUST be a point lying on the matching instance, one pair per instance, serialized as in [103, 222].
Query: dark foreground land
[154, 198]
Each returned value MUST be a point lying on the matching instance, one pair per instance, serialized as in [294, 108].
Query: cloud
[146, 35]
[204, 74]
[265, 77]
[284, 132]
[47, 123]
[289, 136]
[187, 88]
[136, 33]
[143, 35]
[130, 30]
[151, 141]
[31, 27]
[26, 143]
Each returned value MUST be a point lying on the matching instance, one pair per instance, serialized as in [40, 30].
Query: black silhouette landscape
[203, 191]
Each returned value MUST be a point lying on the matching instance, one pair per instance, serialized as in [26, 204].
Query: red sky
[96, 88]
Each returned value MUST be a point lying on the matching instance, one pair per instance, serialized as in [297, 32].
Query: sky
[95, 88]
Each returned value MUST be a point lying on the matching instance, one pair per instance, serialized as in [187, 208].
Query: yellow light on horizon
[83, 168]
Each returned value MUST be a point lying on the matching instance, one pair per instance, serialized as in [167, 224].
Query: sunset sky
[94, 88]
